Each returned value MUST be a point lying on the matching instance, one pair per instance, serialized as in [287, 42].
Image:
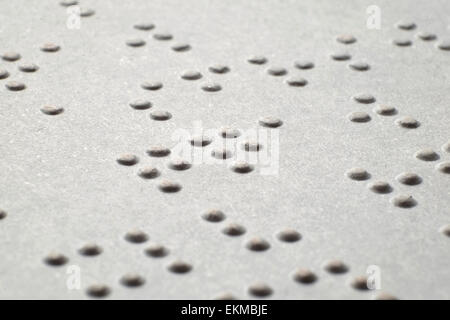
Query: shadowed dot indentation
[132, 280]
[404, 201]
[402, 42]
[336, 267]
[86, 12]
[98, 291]
[444, 167]
[15, 85]
[385, 296]
[200, 140]
[181, 47]
[136, 236]
[68, 3]
[257, 244]
[380, 187]
[164, 36]
[11, 56]
[277, 71]
[90, 250]
[289, 235]
[127, 159]
[304, 64]
[257, 60]
[149, 172]
[156, 251]
[3, 74]
[444, 45]
[408, 122]
[222, 154]
[364, 98]
[151, 85]
[358, 174]
[169, 186]
[56, 259]
[52, 110]
[253, 146]
[158, 151]
[230, 133]
[346, 39]
[427, 155]
[234, 230]
[135, 42]
[270, 122]
[426, 36]
[446, 147]
[2, 214]
[341, 56]
[144, 26]
[140, 104]
[359, 66]
[50, 47]
[305, 276]
[160, 115]
[359, 117]
[406, 25]
[28, 67]
[445, 230]
[211, 87]
[179, 267]
[219, 68]
[191, 75]
[260, 289]
[214, 215]
[359, 283]
[409, 178]
[385, 110]
[179, 164]
[241, 167]
[297, 82]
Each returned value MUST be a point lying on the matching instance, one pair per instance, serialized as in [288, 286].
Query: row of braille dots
[425, 36]
[84, 12]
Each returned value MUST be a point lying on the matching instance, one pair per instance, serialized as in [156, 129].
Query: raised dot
[136, 236]
[445, 230]
[181, 47]
[359, 66]
[191, 75]
[444, 45]
[149, 172]
[200, 140]
[257, 244]
[358, 174]
[304, 64]
[225, 296]
[426, 155]
[214, 215]
[305, 276]
[270, 122]
[404, 201]
[56, 259]
[241, 167]
[164, 36]
[297, 82]
[426, 36]
[135, 42]
[380, 187]
[179, 267]
[52, 110]
[15, 86]
[90, 250]
[252, 146]
[154, 85]
[277, 71]
[402, 42]
[127, 159]
[2, 214]
[289, 235]
[227, 132]
[406, 25]
[29, 67]
[359, 283]
[86, 12]
[341, 56]
[364, 98]
[11, 56]
[160, 115]
[3, 74]
[219, 68]
[144, 26]
[385, 296]
[260, 290]
[132, 280]
[234, 230]
[140, 104]
[98, 291]
[257, 60]
[50, 47]
[211, 87]
[346, 39]
[446, 147]
[156, 251]
[169, 186]
[158, 151]
[336, 267]
[408, 122]
[221, 153]
[179, 164]
[385, 110]
[359, 117]
[444, 167]
[68, 3]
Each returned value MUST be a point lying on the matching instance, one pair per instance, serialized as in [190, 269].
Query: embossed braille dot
[408, 122]
[260, 290]
[214, 215]
[359, 66]
[444, 167]
[225, 296]
[90, 250]
[68, 3]
[154, 85]
[402, 42]
[446, 147]
[2, 214]
[270, 122]
[160, 115]
[219, 68]
[385, 296]
[144, 26]
[359, 283]
[56, 259]
[158, 151]
[86, 12]
[156, 251]
[132, 280]
[341, 56]
[252, 146]
[241, 167]
[169, 186]
[29, 67]
[11, 56]
[3, 74]
[257, 60]
[15, 85]
[200, 140]
[127, 159]
[149, 172]
[305, 276]
[409, 178]
[346, 39]
[336, 267]
[221, 153]
[227, 132]
[52, 110]
[164, 36]
[404, 201]
[179, 267]
[211, 87]
[140, 104]
[50, 47]
[257, 244]
[297, 82]
[359, 117]
[358, 174]
[191, 75]
[136, 236]
[426, 36]
[179, 164]
[277, 71]
[135, 42]
[385, 110]
[444, 45]
[427, 155]
[406, 25]
[98, 291]
[380, 187]
[304, 64]
[234, 230]
[364, 98]
[445, 230]
[289, 235]
[181, 47]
